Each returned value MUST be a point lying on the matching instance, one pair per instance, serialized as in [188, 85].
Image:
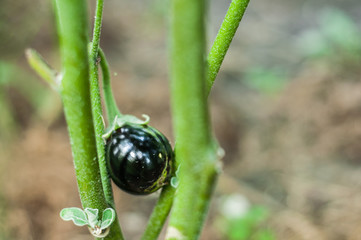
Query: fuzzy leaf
[77, 215]
[92, 216]
[174, 181]
[108, 218]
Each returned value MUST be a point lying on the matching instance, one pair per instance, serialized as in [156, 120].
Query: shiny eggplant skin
[139, 158]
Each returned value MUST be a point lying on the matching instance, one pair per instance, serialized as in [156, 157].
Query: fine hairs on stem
[115, 231]
[74, 90]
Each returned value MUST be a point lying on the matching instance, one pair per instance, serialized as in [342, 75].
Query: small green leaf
[107, 218]
[174, 182]
[77, 215]
[92, 216]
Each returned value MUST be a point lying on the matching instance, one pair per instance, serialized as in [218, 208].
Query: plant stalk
[224, 38]
[195, 149]
[96, 103]
[74, 90]
[75, 93]
[159, 214]
[115, 231]
[111, 106]
[215, 58]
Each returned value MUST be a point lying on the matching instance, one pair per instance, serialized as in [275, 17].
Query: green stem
[41, 67]
[115, 231]
[96, 104]
[195, 149]
[111, 106]
[97, 29]
[159, 214]
[215, 59]
[73, 34]
[224, 38]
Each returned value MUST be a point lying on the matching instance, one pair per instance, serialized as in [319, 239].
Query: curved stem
[110, 104]
[115, 231]
[224, 38]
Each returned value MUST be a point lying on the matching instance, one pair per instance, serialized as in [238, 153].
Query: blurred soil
[297, 152]
[304, 153]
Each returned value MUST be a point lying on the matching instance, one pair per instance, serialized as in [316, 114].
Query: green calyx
[121, 120]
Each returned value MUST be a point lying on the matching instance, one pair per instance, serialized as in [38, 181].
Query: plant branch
[115, 231]
[215, 59]
[159, 214]
[39, 65]
[74, 90]
[195, 148]
[97, 29]
[224, 38]
[111, 106]
[96, 104]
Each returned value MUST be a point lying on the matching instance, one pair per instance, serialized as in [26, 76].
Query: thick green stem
[74, 89]
[224, 38]
[215, 59]
[195, 152]
[115, 231]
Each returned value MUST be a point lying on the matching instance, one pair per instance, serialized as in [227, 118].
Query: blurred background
[286, 107]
